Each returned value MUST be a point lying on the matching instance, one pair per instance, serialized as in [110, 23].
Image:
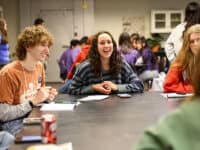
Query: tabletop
[111, 124]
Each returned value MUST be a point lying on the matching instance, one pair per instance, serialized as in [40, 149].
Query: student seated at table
[22, 82]
[178, 78]
[104, 71]
[179, 130]
[174, 42]
[134, 36]
[79, 58]
[146, 58]
[130, 54]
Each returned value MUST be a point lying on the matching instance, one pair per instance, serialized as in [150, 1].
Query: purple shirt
[67, 59]
[4, 53]
[75, 52]
[131, 57]
[147, 58]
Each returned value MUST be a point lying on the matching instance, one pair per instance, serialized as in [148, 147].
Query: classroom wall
[83, 18]
[109, 13]
[99, 15]
[65, 19]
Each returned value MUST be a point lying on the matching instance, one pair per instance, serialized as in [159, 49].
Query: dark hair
[3, 31]
[143, 41]
[125, 42]
[38, 21]
[192, 15]
[84, 39]
[74, 42]
[94, 57]
[135, 35]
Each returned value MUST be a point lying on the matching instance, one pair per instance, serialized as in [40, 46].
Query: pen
[181, 93]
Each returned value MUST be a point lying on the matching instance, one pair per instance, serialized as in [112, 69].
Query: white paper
[57, 107]
[176, 95]
[93, 98]
[32, 120]
[65, 146]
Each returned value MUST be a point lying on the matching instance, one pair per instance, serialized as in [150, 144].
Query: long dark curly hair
[95, 61]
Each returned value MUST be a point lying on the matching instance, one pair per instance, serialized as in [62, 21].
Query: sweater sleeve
[130, 81]
[79, 83]
[9, 112]
[175, 130]
[174, 82]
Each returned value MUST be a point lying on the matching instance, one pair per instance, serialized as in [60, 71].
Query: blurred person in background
[130, 54]
[146, 59]
[39, 21]
[175, 39]
[85, 47]
[67, 58]
[4, 47]
[134, 36]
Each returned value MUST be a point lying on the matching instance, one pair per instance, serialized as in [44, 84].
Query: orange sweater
[175, 82]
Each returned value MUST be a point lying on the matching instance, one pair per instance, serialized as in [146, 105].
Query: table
[112, 124]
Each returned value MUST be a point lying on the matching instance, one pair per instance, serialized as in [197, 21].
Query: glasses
[197, 40]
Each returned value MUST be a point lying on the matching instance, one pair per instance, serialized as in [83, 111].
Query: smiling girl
[104, 71]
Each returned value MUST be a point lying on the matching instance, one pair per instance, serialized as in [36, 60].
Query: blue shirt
[4, 52]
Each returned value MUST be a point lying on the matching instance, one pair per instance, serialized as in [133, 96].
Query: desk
[112, 124]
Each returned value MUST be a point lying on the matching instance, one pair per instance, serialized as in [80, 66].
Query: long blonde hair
[186, 59]
[196, 76]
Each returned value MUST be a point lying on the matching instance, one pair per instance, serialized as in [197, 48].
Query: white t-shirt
[174, 42]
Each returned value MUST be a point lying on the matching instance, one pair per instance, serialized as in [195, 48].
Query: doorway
[60, 23]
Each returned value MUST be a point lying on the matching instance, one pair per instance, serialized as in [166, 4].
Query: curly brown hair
[94, 57]
[30, 37]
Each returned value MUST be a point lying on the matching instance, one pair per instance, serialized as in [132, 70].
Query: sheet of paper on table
[57, 107]
[176, 95]
[65, 146]
[93, 98]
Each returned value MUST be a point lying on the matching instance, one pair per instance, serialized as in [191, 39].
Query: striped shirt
[82, 81]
